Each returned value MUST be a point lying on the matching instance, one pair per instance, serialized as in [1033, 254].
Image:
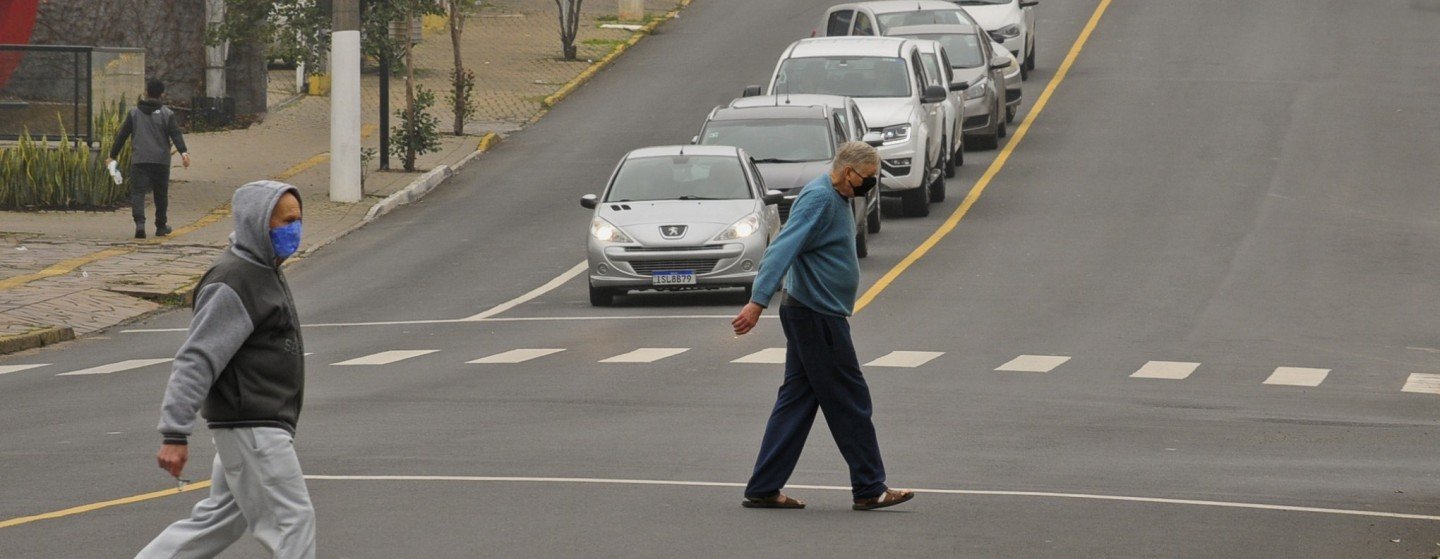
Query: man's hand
[185, 160]
[172, 458]
[748, 317]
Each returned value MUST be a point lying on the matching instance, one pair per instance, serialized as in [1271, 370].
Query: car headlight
[897, 134]
[605, 232]
[746, 227]
[976, 90]
[1008, 32]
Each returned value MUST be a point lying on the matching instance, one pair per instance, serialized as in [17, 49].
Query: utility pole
[345, 102]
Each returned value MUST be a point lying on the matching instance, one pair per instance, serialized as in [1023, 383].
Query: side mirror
[772, 197]
[998, 63]
[589, 201]
[961, 85]
[873, 138]
[934, 94]
[751, 91]
[694, 140]
[1029, 3]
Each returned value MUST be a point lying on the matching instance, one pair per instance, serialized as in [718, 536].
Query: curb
[428, 181]
[36, 338]
[573, 84]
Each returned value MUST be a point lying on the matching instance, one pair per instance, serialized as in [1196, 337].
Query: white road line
[7, 369]
[552, 284]
[1422, 383]
[386, 357]
[516, 356]
[1034, 363]
[1297, 376]
[117, 367]
[907, 359]
[1035, 494]
[1173, 370]
[646, 355]
[767, 356]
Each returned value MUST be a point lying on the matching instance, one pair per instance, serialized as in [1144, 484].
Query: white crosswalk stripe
[516, 356]
[1173, 370]
[646, 355]
[1422, 383]
[386, 357]
[1034, 363]
[906, 359]
[1297, 376]
[6, 369]
[769, 355]
[117, 367]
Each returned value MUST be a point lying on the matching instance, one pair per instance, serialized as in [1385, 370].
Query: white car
[937, 70]
[1011, 23]
[968, 48]
[870, 19]
[886, 77]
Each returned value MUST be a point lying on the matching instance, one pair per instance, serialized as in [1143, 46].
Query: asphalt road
[1243, 186]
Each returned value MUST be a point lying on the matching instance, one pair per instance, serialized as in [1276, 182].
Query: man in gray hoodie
[243, 368]
[153, 127]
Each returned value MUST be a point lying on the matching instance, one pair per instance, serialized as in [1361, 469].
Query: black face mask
[866, 185]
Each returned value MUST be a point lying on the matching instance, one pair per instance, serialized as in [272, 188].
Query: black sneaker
[162, 231]
[139, 232]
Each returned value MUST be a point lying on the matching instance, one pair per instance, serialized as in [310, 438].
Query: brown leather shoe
[889, 498]
[779, 501]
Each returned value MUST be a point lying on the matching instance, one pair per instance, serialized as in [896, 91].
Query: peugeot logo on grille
[673, 231]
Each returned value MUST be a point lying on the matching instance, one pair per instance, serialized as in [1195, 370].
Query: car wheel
[872, 220]
[1009, 114]
[1024, 73]
[601, 297]
[949, 162]
[916, 201]
[1001, 130]
[937, 188]
[1030, 57]
[862, 241]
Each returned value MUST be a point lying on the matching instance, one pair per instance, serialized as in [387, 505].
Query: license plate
[673, 277]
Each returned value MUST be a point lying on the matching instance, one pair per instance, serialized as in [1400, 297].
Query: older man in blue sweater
[817, 249]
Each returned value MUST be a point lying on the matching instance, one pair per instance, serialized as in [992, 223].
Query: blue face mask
[286, 240]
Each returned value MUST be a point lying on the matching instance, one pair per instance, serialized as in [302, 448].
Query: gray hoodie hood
[252, 206]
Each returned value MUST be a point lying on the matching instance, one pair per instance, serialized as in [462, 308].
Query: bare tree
[463, 83]
[569, 25]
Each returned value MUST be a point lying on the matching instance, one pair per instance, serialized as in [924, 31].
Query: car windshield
[680, 177]
[773, 141]
[963, 49]
[849, 76]
[920, 17]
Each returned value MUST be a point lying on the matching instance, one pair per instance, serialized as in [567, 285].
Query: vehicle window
[759, 180]
[772, 141]
[862, 24]
[839, 24]
[920, 17]
[932, 69]
[840, 135]
[849, 76]
[859, 121]
[919, 70]
[681, 177]
[964, 50]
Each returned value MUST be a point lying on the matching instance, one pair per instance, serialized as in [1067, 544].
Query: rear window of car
[680, 177]
[849, 76]
[920, 17]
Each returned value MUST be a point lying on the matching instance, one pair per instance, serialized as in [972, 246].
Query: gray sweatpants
[255, 484]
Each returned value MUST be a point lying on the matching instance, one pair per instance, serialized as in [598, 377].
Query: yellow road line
[990, 172]
[63, 267]
[105, 504]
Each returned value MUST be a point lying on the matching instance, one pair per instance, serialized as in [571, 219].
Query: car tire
[1001, 130]
[862, 241]
[1010, 113]
[872, 219]
[987, 141]
[937, 188]
[601, 297]
[916, 201]
[1030, 57]
[949, 162]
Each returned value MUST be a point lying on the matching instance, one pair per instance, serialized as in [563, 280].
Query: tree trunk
[409, 96]
[460, 101]
[569, 25]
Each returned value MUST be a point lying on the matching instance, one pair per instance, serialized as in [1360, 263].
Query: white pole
[215, 55]
[345, 103]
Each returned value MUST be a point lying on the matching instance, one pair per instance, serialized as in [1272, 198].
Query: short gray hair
[856, 155]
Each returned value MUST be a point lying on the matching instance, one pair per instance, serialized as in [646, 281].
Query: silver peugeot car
[679, 218]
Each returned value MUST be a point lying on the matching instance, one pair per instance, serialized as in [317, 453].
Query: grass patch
[612, 43]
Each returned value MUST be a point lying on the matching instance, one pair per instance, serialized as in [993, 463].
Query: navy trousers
[821, 372]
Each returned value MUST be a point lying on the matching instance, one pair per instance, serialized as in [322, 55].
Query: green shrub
[38, 175]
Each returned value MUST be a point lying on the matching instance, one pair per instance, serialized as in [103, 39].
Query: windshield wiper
[696, 198]
[778, 160]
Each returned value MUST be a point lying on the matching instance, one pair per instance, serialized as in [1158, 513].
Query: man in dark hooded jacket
[154, 129]
[242, 367]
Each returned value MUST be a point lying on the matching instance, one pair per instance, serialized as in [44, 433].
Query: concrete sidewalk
[83, 271]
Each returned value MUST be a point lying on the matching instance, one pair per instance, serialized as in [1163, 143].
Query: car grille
[700, 265]
[674, 249]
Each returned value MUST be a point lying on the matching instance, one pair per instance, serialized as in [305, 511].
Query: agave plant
[66, 174]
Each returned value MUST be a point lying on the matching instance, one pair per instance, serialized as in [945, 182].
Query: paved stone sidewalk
[82, 269]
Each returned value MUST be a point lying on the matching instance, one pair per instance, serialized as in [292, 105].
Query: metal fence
[54, 91]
